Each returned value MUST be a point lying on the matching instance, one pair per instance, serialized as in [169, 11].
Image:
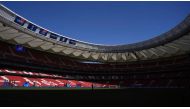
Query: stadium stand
[163, 61]
[170, 72]
[17, 78]
[32, 57]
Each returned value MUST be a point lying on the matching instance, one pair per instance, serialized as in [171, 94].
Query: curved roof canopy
[16, 29]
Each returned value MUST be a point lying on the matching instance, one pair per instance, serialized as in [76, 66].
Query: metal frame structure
[172, 43]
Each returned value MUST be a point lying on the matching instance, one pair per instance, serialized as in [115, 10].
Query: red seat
[18, 79]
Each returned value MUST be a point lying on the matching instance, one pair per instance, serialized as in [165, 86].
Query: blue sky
[104, 22]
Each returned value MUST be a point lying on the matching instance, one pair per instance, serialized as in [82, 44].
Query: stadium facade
[163, 61]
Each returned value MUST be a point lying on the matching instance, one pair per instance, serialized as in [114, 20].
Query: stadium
[35, 58]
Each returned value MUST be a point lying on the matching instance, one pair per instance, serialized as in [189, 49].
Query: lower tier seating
[20, 81]
[8, 71]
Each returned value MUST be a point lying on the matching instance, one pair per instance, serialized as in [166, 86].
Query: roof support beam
[172, 46]
[10, 36]
[133, 54]
[123, 55]
[150, 50]
[86, 54]
[142, 53]
[163, 50]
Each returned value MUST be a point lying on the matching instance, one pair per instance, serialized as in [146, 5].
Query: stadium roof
[17, 30]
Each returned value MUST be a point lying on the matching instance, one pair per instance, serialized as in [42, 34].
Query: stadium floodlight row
[18, 30]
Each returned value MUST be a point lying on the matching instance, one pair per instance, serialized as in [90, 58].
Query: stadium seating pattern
[41, 80]
[169, 72]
